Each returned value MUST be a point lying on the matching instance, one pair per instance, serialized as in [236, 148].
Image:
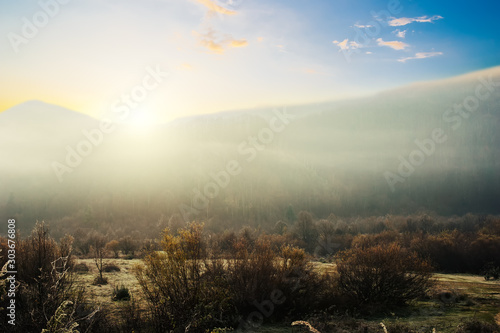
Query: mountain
[32, 132]
[430, 145]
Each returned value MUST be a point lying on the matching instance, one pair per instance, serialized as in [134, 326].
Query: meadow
[413, 274]
[454, 300]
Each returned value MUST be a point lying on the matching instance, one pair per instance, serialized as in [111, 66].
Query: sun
[141, 120]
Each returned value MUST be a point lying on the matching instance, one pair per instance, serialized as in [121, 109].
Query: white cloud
[213, 7]
[363, 26]
[397, 22]
[343, 44]
[399, 33]
[355, 45]
[346, 45]
[421, 55]
[396, 45]
[214, 44]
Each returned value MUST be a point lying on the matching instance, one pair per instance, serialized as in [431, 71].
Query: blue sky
[231, 54]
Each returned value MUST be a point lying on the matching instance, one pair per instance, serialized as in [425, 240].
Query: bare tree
[98, 250]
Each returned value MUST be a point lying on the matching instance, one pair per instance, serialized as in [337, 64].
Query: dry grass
[101, 295]
[474, 286]
[306, 324]
[323, 267]
[482, 298]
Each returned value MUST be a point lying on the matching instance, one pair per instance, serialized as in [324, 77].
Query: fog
[349, 158]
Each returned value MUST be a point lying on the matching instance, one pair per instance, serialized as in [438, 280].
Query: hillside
[341, 157]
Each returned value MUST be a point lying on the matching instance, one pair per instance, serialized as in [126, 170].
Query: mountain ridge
[469, 77]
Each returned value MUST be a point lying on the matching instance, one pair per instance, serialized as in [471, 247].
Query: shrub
[449, 296]
[81, 268]
[382, 275]
[121, 293]
[113, 246]
[188, 287]
[474, 325]
[131, 317]
[184, 291]
[111, 268]
[63, 320]
[46, 281]
[255, 275]
[127, 245]
[400, 328]
[492, 273]
[100, 280]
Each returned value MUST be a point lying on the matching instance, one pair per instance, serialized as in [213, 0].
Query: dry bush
[178, 285]
[188, 286]
[111, 268]
[383, 238]
[114, 247]
[81, 268]
[121, 293]
[131, 317]
[46, 281]
[100, 280]
[474, 325]
[459, 252]
[400, 328]
[128, 245]
[256, 275]
[382, 275]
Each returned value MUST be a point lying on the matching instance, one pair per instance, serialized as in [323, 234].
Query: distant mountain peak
[42, 112]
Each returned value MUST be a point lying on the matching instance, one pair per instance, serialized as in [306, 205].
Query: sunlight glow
[141, 120]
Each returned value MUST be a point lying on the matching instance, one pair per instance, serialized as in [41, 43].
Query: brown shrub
[188, 286]
[81, 267]
[474, 325]
[46, 281]
[111, 268]
[382, 275]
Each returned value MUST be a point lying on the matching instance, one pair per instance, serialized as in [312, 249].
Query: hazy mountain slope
[33, 132]
[329, 157]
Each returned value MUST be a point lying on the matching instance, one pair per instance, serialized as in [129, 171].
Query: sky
[178, 58]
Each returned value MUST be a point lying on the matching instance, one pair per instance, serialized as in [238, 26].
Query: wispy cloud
[421, 55]
[398, 22]
[213, 7]
[399, 33]
[238, 43]
[396, 45]
[363, 26]
[346, 45]
[212, 46]
[217, 45]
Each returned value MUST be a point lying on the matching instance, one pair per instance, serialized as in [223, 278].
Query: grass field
[455, 298]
